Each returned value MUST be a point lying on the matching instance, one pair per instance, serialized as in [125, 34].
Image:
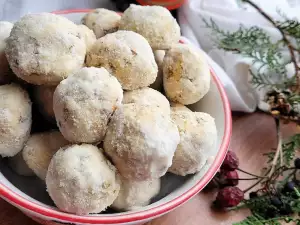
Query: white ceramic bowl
[29, 194]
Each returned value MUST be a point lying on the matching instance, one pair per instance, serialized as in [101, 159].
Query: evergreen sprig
[260, 206]
[256, 219]
[290, 27]
[255, 44]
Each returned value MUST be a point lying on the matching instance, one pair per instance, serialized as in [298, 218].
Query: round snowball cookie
[88, 35]
[43, 96]
[45, 48]
[39, 150]
[186, 75]
[159, 59]
[128, 56]
[179, 107]
[198, 137]
[5, 71]
[81, 180]
[136, 194]
[102, 21]
[15, 119]
[141, 141]
[19, 166]
[147, 96]
[155, 23]
[84, 102]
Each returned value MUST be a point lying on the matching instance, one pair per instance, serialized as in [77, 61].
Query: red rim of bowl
[18, 200]
[169, 4]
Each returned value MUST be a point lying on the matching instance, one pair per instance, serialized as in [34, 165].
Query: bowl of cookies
[106, 118]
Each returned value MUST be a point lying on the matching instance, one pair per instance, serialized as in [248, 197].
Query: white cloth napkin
[229, 15]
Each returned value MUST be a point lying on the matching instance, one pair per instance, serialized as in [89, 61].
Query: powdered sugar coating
[102, 21]
[84, 102]
[43, 96]
[15, 119]
[45, 48]
[155, 23]
[141, 141]
[147, 96]
[19, 166]
[81, 180]
[128, 56]
[136, 194]
[88, 35]
[159, 59]
[39, 150]
[5, 72]
[186, 75]
[198, 137]
[179, 107]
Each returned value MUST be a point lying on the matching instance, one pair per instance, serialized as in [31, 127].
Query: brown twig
[255, 178]
[253, 185]
[298, 82]
[285, 40]
[251, 174]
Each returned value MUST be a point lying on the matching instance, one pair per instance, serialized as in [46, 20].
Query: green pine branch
[260, 79]
[255, 44]
[290, 27]
[256, 219]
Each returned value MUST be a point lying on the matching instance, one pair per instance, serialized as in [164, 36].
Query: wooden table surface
[253, 134]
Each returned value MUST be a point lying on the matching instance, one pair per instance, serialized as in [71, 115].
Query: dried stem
[253, 185]
[279, 147]
[251, 174]
[295, 174]
[285, 40]
[255, 178]
[280, 151]
[298, 82]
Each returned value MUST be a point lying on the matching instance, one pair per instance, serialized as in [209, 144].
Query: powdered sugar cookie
[45, 48]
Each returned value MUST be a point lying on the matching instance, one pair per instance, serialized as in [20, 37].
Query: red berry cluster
[226, 180]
